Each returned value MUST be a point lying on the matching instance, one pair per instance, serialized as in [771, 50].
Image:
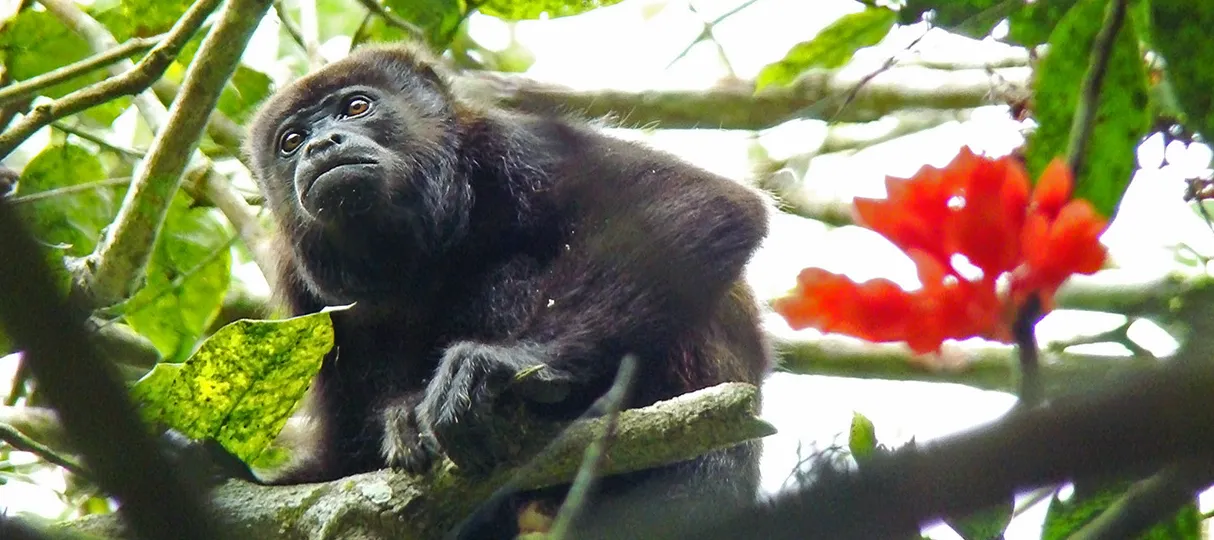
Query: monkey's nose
[324, 142]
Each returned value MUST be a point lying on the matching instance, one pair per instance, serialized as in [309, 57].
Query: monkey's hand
[403, 445]
[457, 409]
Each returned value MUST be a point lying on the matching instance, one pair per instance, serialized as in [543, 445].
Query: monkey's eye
[290, 141]
[357, 105]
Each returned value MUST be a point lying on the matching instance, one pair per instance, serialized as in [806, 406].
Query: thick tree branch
[1138, 424]
[399, 506]
[131, 81]
[732, 104]
[116, 267]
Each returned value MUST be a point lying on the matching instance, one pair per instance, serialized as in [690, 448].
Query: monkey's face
[359, 158]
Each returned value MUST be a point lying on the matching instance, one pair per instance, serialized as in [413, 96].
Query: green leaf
[187, 278]
[439, 19]
[74, 219]
[831, 48]
[1122, 114]
[1032, 24]
[973, 18]
[151, 17]
[985, 524]
[517, 10]
[244, 91]
[241, 385]
[35, 42]
[862, 438]
[1063, 519]
[1182, 36]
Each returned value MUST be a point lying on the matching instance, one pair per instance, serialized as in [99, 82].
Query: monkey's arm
[653, 247]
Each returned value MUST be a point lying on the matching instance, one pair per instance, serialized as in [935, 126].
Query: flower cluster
[976, 207]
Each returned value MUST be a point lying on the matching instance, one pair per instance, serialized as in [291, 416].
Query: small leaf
[862, 438]
[241, 385]
[73, 219]
[1181, 30]
[1032, 24]
[831, 48]
[1122, 114]
[517, 10]
[186, 280]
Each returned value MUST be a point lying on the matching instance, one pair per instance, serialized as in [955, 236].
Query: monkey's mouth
[343, 186]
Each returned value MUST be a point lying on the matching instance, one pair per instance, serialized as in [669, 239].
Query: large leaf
[72, 219]
[1063, 519]
[241, 385]
[1181, 29]
[244, 91]
[1032, 24]
[187, 278]
[973, 18]
[833, 46]
[1122, 116]
[35, 42]
[516, 10]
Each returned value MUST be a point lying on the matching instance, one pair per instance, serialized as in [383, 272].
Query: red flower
[977, 207]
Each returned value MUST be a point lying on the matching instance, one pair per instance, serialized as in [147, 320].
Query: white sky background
[629, 46]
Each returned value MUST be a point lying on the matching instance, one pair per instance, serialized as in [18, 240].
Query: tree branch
[387, 504]
[1141, 423]
[117, 265]
[733, 104]
[1089, 97]
[32, 85]
[129, 82]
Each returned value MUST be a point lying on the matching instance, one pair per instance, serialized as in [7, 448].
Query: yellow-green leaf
[862, 438]
[833, 46]
[241, 385]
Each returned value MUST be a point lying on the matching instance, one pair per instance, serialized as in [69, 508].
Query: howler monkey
[477, 242]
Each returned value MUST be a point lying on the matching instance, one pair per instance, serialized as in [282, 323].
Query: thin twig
[706, 33]
[1084, 120]
[20, 441]
[97, 140]
[393, 19]
[579, 491]
[133, 81]
[1032, 389]
[31, 86]
[68, 190]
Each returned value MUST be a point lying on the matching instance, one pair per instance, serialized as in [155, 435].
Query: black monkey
[477, 242]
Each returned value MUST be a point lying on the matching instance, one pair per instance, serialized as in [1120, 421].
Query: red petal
[1053, 188]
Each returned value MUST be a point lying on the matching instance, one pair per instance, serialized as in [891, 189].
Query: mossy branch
[388, 504]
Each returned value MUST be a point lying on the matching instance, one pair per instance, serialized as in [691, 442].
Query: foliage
[975, 207]
[241, 384]
[831, 48]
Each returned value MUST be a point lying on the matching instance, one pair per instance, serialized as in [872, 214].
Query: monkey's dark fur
[478, 242]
